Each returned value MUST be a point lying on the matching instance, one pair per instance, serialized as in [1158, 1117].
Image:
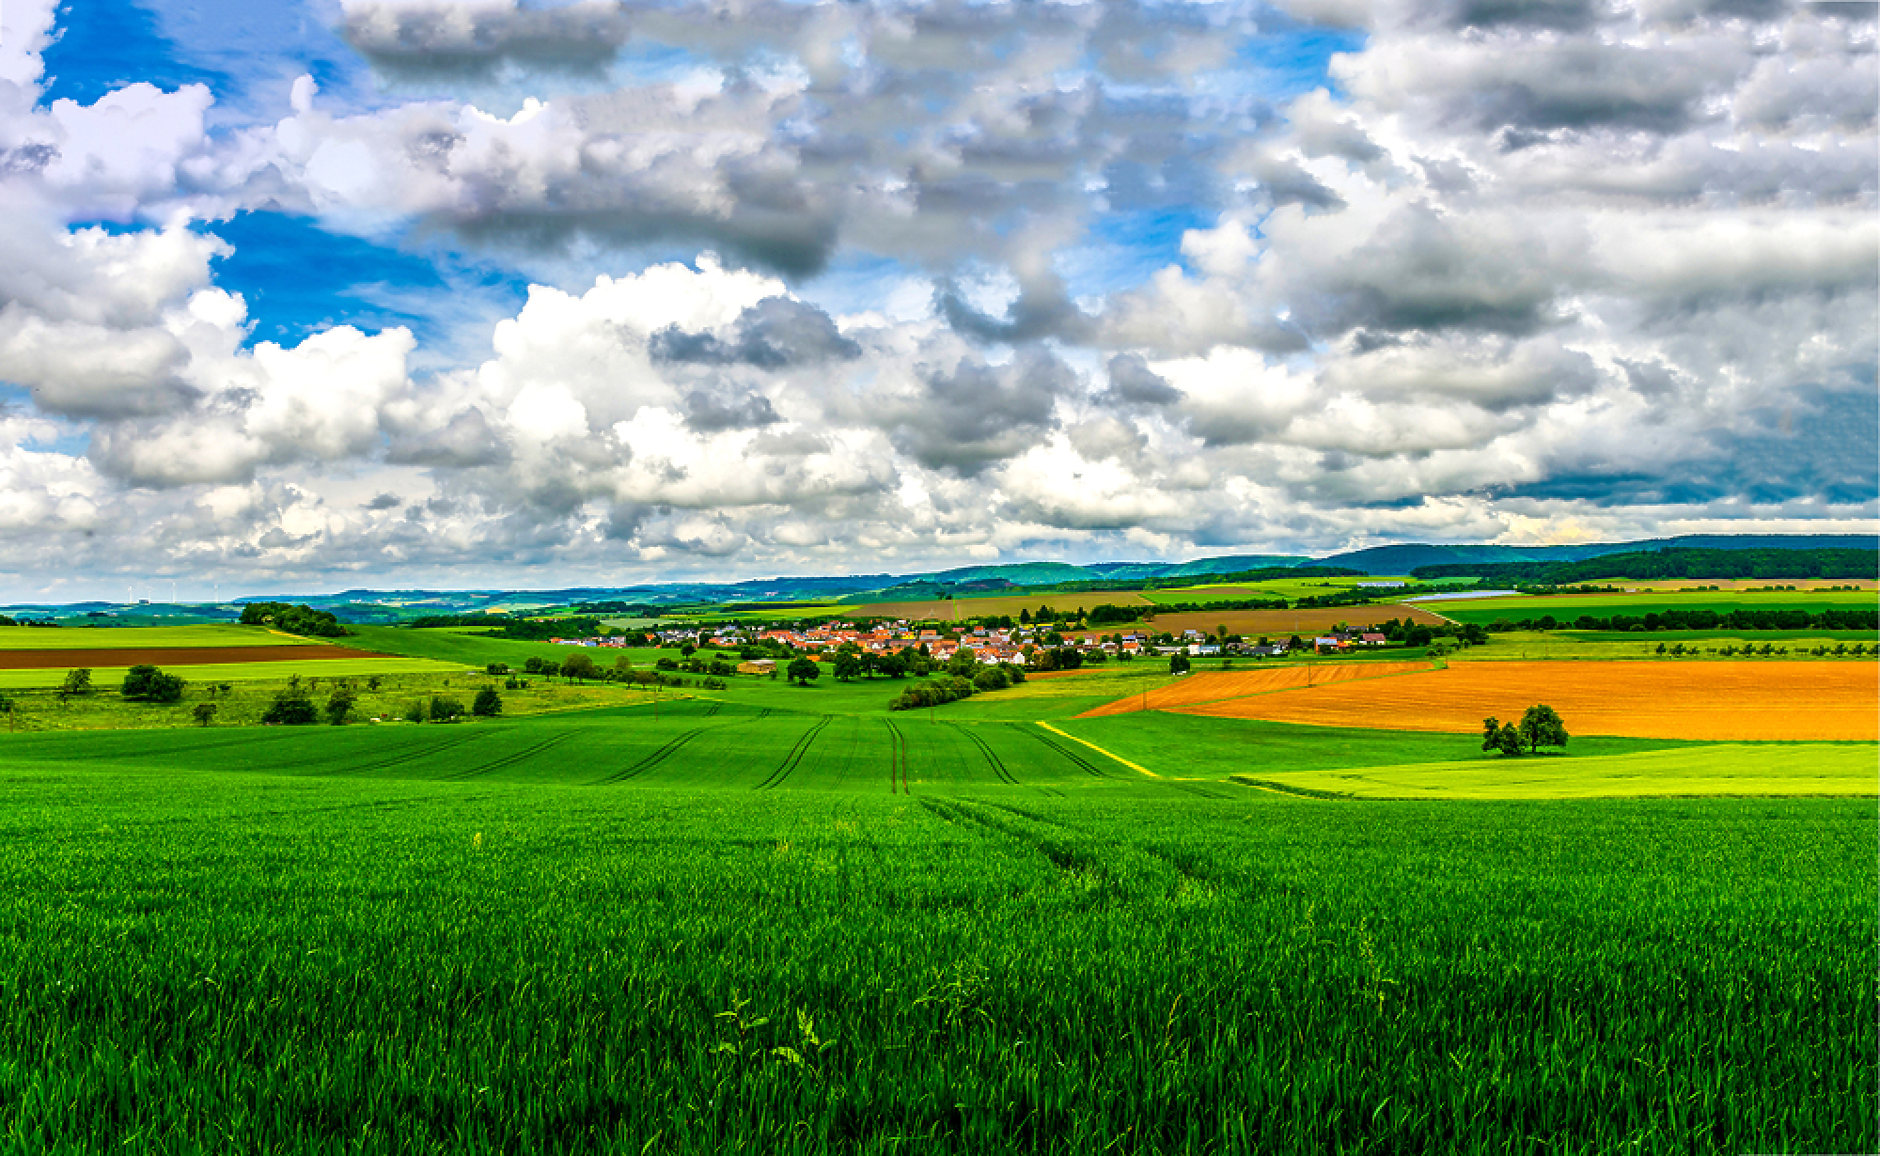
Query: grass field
[782, 919]
[1713, 769]
[148, 637]
[1566, 607]
[576, 934]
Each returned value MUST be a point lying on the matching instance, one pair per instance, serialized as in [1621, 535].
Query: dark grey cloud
[775, 333]
[971, 415]
[711, 412]
[1133, 383]
[472, 40]
[383, 502]
[467, 441]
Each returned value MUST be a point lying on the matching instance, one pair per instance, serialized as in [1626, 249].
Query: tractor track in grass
[795, 758]
[511, 760]
[669, 749]
[973, 817]
[999, 770]
[897, 758]
[409, 756]
[1072, 756]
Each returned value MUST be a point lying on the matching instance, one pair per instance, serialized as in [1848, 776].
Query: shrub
[291, 707]
[339, 706]
[488, 704]
[445, 709]
[148, 684]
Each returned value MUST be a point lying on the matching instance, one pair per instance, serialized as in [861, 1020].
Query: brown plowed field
[1200, 688]
[1282, 624]
[1714, 701]
[172, 656]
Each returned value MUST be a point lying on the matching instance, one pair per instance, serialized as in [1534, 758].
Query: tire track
[999, 770]
[1070, 755]
[659, 756]
[795, 758]
[409, 756]
[897, 758]
[505, 761]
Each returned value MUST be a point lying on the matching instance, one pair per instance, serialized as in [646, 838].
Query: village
[1017, 646]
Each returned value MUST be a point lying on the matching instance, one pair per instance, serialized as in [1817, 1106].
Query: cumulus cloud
[839, 286]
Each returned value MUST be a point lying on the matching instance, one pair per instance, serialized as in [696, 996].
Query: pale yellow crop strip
[1101, 751]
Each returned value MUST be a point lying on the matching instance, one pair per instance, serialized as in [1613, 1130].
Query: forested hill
[1673, 563]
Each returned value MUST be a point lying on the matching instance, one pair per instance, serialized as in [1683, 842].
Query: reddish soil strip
[173, 656]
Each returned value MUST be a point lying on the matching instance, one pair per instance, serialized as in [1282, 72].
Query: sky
[313, 295]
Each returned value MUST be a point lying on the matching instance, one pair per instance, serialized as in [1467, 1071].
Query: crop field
[1570, 606]
[1716, 701]
[774, 919]
[1273, 588]
[23, 638]
[1282, 624]
[1709, 769]
[731, 931]
[1213, 687]
[1700, 645]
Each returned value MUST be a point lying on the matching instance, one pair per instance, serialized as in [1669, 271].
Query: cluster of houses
[987, 645]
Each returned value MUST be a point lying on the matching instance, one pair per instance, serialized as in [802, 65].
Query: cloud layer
[865, 286]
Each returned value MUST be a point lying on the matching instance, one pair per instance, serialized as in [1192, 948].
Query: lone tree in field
[1541, 727]
[488, 703]
[148, 684]
[804, 671]
[1179, 664]
[1500, 736]
[76, 682]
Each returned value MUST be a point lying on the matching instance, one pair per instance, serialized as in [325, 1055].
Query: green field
[731, 931]
[1566, 607]
[137, 637]
[109, 677]
[775, 919]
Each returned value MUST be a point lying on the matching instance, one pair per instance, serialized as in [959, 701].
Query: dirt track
[172, 656]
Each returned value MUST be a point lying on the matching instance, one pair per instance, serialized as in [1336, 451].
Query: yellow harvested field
[1203, 688]
[1716, 701]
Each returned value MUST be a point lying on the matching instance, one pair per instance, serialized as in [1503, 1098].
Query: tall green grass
[196, 957]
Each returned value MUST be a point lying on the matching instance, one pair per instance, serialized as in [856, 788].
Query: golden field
[1712, 701]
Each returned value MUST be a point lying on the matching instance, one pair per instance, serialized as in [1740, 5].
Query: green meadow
[1566, 607]
[785, 919]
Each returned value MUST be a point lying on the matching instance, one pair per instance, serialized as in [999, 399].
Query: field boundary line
[1101, 751]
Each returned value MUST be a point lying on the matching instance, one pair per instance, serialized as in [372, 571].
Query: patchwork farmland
[1114, 907]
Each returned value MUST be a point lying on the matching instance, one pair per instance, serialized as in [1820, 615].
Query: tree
[487, 704]
[204, 713]
[804, 671]
[148, 684]
[339, 706]
[291, 707]
[1542, 726]
[579, 667]
[445, 709]
[76, 681]
[1500, 736]
[848, 668]
[1178, 664]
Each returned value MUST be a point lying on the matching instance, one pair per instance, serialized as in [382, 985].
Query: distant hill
[396, 605]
